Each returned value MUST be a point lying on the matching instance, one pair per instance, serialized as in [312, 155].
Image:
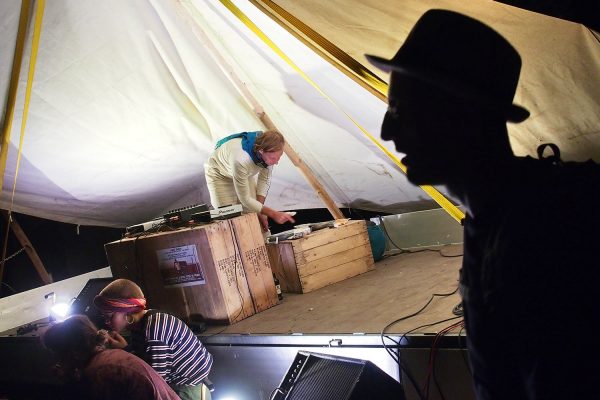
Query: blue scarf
[248, 140]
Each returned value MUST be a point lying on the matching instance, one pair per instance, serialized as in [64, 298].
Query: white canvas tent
[128, 99]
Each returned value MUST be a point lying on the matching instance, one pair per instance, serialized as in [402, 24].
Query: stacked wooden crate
[218, 272]
[322, 258]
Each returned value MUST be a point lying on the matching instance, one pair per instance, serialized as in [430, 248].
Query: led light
[59, 311]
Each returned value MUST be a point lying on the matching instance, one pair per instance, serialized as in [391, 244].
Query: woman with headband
[163, 340]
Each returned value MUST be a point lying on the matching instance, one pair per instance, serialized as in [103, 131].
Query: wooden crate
[255, 261]
[219, 276]
[322, 258]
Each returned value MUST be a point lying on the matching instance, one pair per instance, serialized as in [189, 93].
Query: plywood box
[219, 271]
[322, 258]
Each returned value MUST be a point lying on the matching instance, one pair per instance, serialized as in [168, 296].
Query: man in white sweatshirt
[231, 169]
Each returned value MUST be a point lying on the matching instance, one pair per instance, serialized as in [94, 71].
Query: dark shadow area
[65, 250]
[586, 12]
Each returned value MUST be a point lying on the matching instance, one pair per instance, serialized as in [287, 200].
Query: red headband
[128, 306]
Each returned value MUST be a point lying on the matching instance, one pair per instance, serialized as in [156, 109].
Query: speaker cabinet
[84, 302]
[314, 376]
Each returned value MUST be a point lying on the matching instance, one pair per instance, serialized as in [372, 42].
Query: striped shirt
[172, 349]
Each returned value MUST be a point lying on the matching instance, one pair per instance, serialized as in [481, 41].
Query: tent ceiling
[127, 101]
[561, 60]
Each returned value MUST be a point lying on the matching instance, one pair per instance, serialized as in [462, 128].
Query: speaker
[84, 302]
[314, 376]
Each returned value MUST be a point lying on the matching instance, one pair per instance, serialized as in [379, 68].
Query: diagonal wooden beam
[24, 241]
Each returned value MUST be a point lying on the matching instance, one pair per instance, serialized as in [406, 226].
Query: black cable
[425, 326]
[398, 360]
[405, 251]
[448, 256]
[439, 251]
[416, 313]
[420, 327]
[387, 234]
[421, 309]
[414, 329]
[433, 355]
[402, 366]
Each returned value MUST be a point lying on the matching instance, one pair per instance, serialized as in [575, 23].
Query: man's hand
[277, 216]
[282, 217]
[264, 222]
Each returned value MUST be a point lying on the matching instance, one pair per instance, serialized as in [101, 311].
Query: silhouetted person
[530, 269]
[162, 340]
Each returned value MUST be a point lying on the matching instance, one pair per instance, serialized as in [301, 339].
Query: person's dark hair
[75, 341]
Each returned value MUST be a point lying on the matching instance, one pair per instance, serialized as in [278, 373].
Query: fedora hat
[462, 56]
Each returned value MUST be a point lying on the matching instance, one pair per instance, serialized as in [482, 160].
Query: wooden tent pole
[265, 119]
[305, 170]
[4, 248]
[24, 241]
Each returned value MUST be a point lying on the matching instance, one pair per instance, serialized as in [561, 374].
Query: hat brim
[380, 62]
[515, 112]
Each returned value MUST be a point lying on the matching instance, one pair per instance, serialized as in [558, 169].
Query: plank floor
[400, 285]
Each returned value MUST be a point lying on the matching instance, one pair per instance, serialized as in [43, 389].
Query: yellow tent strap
[454, 211]
[37, 31]
[13, 86]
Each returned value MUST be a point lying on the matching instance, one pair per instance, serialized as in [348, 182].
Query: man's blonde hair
[122, 289]
[269, 141]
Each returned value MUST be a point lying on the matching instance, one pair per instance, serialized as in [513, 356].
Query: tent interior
[116, 106]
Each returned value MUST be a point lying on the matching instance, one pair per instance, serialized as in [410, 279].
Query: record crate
[322, 257]
[218, 272]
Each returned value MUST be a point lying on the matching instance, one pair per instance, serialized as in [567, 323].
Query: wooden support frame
[29, 249]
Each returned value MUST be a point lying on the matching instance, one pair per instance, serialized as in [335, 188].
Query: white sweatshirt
[231, 163]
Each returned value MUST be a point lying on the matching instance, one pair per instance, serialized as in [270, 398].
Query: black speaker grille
[325, 379]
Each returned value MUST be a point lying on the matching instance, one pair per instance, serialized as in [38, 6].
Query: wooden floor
[400, 285]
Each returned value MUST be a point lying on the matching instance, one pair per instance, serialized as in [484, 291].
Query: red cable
[432, 354]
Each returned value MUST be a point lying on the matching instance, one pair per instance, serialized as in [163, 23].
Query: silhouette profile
[530, 265]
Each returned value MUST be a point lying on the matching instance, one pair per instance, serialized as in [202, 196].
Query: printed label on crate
[180, 266]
